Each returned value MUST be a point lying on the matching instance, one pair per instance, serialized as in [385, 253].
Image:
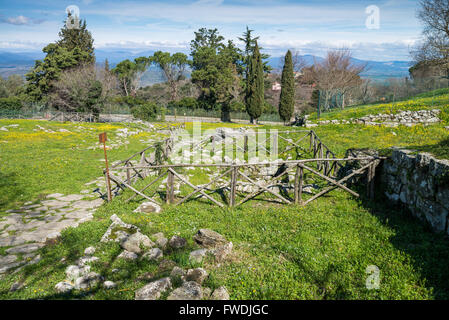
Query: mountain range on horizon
[21, 62]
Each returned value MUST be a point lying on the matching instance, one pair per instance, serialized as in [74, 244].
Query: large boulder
[153, 290]
[207, 238]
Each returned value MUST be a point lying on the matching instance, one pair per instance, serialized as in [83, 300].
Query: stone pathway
[26, 229]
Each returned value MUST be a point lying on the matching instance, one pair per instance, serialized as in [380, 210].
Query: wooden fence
[288, 191]
[320, 163]
[154, 154]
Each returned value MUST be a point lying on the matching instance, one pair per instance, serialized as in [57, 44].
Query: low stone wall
[421, 183]
[406, 118]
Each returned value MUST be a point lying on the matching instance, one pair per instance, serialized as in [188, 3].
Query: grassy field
[34, 162]
[438, 99]
[280, 252]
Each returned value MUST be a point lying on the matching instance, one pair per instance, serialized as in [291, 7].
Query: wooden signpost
[103, 138]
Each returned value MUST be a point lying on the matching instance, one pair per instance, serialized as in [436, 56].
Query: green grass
[36, 163]
[317, 252]
[438, 99]
[289, 252]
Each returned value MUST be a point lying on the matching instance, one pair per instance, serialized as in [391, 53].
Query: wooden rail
[237, 174]
[321, 164]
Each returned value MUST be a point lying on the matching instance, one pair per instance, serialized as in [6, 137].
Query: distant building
[276, 86]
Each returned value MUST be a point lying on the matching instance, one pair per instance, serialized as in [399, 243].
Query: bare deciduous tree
[335, 76]
[83, 89]
[434, 47]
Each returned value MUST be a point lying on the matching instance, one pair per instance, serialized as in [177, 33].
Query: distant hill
[376, 70]
[21, 62]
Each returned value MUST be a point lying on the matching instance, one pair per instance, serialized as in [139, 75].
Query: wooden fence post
[108, 186]
[326, 164]
[233, 186]
[128, 174]
[142, 163]
[370, 185]
[245, 147]
[312, 144]
[170, 198]
[298, 184]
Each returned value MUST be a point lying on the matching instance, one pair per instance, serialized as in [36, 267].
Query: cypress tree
[79, 37]
[287, 99]
[255, 87]
[106, 66]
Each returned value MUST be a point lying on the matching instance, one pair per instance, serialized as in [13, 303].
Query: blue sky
[311, 27]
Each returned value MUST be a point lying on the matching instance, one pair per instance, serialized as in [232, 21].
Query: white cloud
[20, 20]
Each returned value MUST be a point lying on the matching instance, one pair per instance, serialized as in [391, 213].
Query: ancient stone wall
[421, 183]
[406, 118]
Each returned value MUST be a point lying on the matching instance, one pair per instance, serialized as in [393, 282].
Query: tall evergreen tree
[255, 86]
[287, 99]
[215, 71]
[73, 49]
[106, 65]
[80, 37]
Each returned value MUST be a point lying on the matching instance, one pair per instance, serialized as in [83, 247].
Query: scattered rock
[74, 272]
[154, 254]
[86, 260]
[177, 242]
[220, 253]
[53, 237]
[109, 284]
[177, 272]
[209, 239]
[153, 290]
[220, 294]
[127, 255]
[148, 207]
[161, 241]
[118, 230]
[189, 291]
[16, 286]
[88, 281]
[198, 275]
[89, 251]
[166, 265]
[207, 293]
[198, 255]
[135, 243]
[64, 287]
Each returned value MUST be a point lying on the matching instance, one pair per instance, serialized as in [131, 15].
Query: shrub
[237, 106]
[148, 111]
[11, 103]
[269, 109]
[184, 103]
